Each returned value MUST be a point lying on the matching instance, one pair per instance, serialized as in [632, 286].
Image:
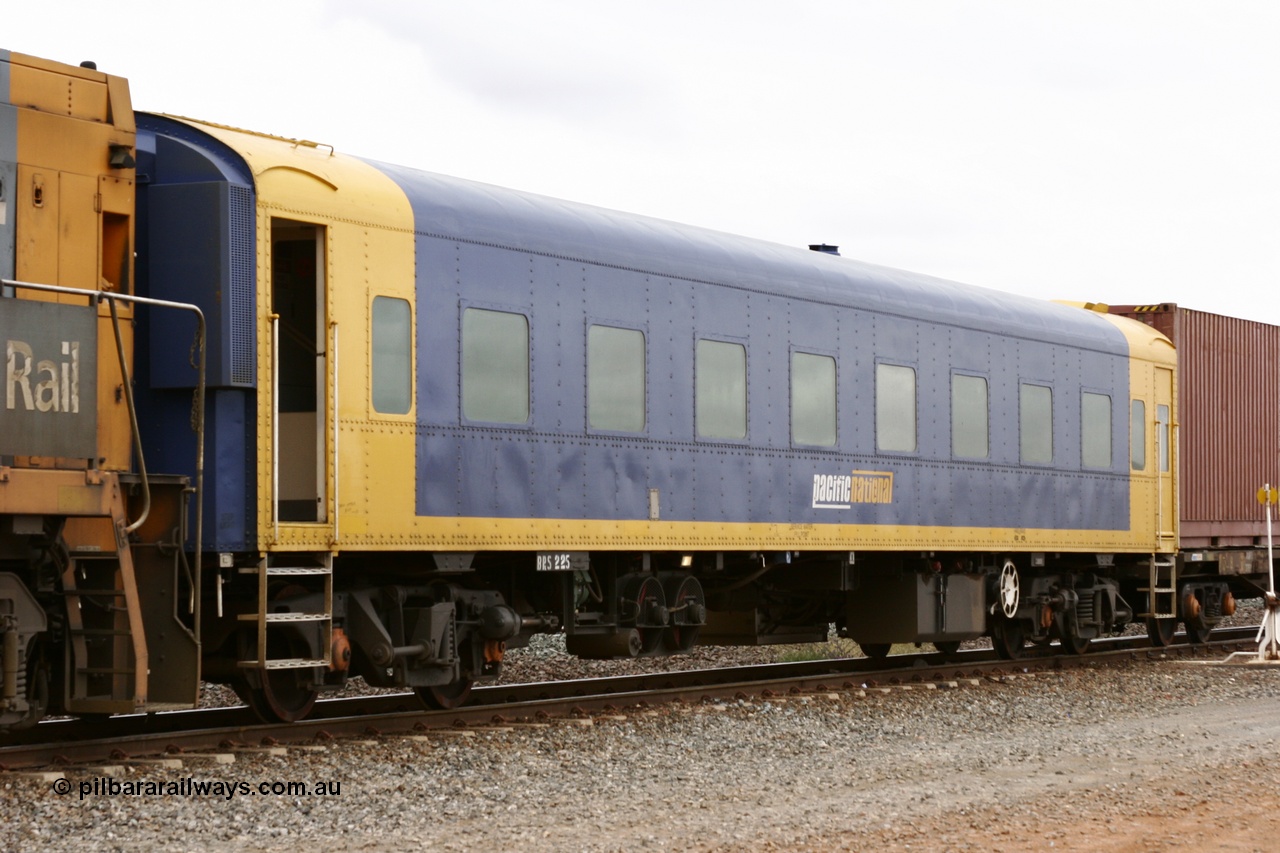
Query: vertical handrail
[334, 414]
[133, 418]
[275, 428]
[1159, 480]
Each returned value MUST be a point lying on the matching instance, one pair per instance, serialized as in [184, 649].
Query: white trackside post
[1269, 630]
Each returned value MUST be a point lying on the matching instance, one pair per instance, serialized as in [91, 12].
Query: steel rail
[62, 742]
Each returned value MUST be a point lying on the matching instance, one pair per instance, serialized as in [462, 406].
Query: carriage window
[392, 363]
[1138, 435]
[895, 408]
[1036, 423]
[813, 399]
[969, 436]
[1162, 424]
[615, 379]
[1095, 430]
[495, 366]
[721, 398]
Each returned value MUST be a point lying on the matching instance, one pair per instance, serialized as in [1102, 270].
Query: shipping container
[1228, 421]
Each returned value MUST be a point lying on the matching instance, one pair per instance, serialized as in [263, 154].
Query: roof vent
[824, 248]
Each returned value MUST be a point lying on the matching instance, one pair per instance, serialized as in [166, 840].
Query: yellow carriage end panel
[340, 476]
[1153, 444]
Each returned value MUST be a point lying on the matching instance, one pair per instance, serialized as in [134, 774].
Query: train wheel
[644, 601]
[1160, 631]
[446, 697]
[687, 606]
[286, 695]
[947, 647]
[1007, 638]
[876, 651]
[1193, 618]
[1197, 631]
[1074, 645]
[282, 698]
[1070, 643]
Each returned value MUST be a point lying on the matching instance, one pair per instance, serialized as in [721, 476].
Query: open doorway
[298, 302]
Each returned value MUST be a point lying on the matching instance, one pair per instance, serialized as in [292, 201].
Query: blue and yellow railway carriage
[524, 414]
[743, 395]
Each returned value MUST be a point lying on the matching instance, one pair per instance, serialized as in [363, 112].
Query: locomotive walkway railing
[97, 297]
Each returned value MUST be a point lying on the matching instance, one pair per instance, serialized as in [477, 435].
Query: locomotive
[444, 416]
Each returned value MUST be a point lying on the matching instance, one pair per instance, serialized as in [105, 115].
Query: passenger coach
[447, 415]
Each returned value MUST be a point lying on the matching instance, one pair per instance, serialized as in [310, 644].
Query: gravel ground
[1169, 756]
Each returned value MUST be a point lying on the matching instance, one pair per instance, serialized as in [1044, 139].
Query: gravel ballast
[1146, 756]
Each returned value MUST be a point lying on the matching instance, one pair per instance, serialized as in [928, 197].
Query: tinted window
[1138, 435]
[813, 399]
[969, 417]
[895, 408]
[392, 356]
[1095, 430]
[615, 379]
[1036, 422]
[721, 397]
[495, 366]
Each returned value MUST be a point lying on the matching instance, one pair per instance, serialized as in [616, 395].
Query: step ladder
[102, 672]
[1161, 588]
[270, 625]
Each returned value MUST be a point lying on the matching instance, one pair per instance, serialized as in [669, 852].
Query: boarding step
[285, 663]
[289, 571]
[1161, 588]
[286, 617]
[313, 580]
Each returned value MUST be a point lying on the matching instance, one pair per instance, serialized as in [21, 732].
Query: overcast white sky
[1108, 150]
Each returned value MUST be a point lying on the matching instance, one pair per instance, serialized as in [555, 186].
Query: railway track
[57, 743]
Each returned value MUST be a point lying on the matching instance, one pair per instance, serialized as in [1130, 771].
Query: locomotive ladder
[270, 624]
[101, 607]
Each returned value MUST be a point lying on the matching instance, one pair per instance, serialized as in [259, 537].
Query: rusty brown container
[1228, 420]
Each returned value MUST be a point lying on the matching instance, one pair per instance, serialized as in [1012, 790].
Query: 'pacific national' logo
[842, 491]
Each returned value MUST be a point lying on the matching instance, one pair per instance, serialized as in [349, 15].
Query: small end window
[1138, 435]
[392, 332]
